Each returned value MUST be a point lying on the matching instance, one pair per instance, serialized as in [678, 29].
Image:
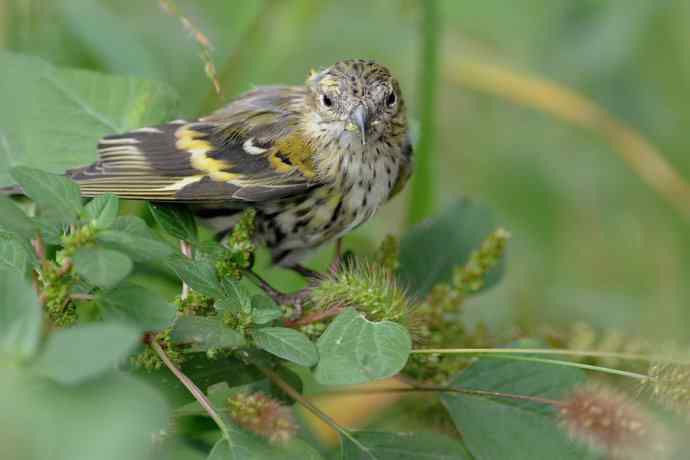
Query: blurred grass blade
[423, 196]
[565, 104]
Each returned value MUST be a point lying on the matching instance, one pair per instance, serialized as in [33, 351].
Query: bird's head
[354, 101]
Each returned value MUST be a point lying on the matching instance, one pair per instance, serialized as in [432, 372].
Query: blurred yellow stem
[564, 103]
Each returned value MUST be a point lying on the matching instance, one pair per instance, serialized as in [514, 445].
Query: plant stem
[445, 389]
[423, 196]
[314, 317]
[311, 407]
[541, 351]
[588, 367]
[80, 296]
[193, 389]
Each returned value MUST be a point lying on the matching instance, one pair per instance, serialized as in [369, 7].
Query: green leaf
[134, 303]
[355, 350]
[264, 309]
[134, 225]
[139, 248]
[235, 299]
[104, 268]
[65, 422]
[20, 316]
[200, 275]
[430, 250]
[176, 220]
[206, 333]
[222, 451]
[287, 344]
[55, 196]
[14, 220]
[526, 430]
[15, 254]
[51, 230]
[248, 446]
[402, 446]
[103, 210]
[81, 353]
[52, 118]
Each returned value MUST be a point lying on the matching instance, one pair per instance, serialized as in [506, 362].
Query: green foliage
[531, 426]
[73, 356]
[200, 275]
[288, 344]
[135, 240]
[104, 268]
[14, 221]
[15, 253]
[69, 110]
[431, 250]
[355, 350]
[138, 305]
[56, 197]
[206, 333]
[56, 373]
[240, 247]
[20, 317]
[402, 446]
[102, 210]
[177, 221]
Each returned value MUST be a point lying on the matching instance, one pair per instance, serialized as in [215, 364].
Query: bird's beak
[360, 118]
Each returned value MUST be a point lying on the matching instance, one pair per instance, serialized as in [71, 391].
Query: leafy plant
[212, 369]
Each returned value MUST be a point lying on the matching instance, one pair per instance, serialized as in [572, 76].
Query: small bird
[315, 161]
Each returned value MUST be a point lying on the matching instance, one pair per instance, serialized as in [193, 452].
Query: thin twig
[546, 351]
[587, 367]
[314, 317]
[80, 296]
[272, 292]
[201, 40]
[192, 388]
[446, 389]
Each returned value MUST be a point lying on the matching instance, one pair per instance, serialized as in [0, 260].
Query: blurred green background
[591, 241]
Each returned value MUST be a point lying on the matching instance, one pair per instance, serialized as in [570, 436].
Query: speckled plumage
[315, 161]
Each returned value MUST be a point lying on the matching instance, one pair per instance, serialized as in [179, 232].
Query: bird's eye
[391, 100]
[326, 101]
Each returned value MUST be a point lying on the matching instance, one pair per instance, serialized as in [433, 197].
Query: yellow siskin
[315, 161]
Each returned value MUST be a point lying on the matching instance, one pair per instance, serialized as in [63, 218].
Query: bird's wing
[249, 151]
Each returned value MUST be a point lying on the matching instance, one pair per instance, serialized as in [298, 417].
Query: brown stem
[66, 267]
[272, 292]
[39, 247]
[314, 317]
[191, 387]
[79, 296]
[422, 388]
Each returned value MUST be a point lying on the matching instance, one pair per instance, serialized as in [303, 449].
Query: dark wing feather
[248, 151]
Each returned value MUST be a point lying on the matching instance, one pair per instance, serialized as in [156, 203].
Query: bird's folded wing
[248, 152]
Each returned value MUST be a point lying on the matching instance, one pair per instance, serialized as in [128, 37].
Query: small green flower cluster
[437, 321]
[149, 360]
[239, 253]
